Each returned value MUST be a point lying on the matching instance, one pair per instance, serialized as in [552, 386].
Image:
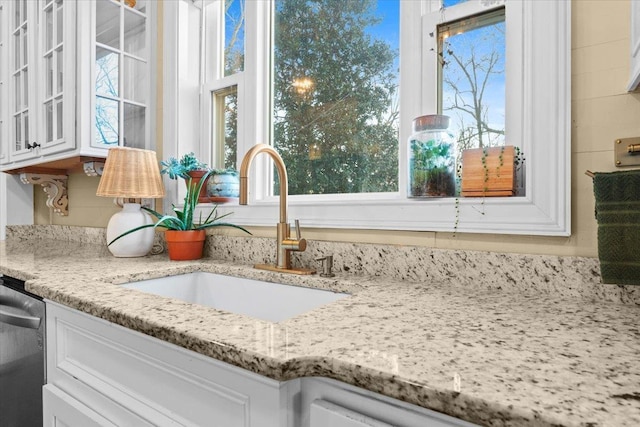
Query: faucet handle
[327, 265]
[297, 244]
[298, 235]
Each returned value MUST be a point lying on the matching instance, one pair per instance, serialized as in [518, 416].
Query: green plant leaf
[182, 220]
[221, 224]
[133, 230]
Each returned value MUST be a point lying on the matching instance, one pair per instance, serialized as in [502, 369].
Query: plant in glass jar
[431, 154]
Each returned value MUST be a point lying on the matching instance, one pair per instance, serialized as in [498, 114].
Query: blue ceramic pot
[223, 185]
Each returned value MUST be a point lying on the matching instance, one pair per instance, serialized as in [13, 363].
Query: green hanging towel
[618, 214]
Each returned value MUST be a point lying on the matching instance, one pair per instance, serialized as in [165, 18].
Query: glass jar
[431, 158]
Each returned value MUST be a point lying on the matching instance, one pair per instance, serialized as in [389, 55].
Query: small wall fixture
[627, 152]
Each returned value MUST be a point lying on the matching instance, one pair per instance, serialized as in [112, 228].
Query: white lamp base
[136, 244]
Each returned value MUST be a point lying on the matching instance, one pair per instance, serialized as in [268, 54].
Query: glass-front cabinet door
[37, 77]
[56, 56]
[22, 28]
[122, 74]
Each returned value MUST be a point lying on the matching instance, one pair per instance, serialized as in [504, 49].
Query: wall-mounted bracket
[56, 188]
[93, 168]
[627, 152]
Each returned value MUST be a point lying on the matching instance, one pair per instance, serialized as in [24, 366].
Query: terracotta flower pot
[185, 245]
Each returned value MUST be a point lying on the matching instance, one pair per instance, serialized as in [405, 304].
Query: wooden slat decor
[501, 178]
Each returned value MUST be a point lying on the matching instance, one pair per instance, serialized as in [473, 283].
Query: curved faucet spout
[284, 242]
[282, 175]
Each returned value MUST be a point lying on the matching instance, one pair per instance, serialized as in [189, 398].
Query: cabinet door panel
[56, 92]
[327, 414]
[62, 410]
[361, 406]
[93, 360]
[21, 43]
[121, 70]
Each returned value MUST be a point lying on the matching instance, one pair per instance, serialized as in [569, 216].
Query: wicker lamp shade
[131, 172]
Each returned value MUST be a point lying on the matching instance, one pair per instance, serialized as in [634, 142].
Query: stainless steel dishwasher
[22, 363]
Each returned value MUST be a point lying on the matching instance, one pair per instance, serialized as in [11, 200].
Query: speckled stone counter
[479, 353]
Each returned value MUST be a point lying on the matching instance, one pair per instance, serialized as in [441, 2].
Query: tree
[472, 64]
[106, 109]
[334, 89]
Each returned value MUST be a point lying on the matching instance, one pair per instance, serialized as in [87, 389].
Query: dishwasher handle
[19, 320]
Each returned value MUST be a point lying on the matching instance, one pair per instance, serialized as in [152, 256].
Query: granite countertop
[484, 355]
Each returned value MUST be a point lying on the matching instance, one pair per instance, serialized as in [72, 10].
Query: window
[225, 108]
[267, 99]
[335, 95]
[471, 72]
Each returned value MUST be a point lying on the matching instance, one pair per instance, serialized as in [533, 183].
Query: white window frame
[3, 115]
[538, 101]
[4, 96]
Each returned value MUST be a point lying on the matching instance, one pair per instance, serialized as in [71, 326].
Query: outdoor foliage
[335, 96]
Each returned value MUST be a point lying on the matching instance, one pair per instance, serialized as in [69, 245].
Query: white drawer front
[62, 410]
[327, 414]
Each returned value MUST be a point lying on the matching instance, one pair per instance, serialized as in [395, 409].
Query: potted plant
[185, 238]
[223, 185]
[187, 167]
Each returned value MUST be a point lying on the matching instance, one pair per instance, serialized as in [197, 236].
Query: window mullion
[254, 94]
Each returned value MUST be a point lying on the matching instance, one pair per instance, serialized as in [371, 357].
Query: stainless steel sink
[273, 302]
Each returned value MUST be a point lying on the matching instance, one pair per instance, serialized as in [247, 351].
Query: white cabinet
[120, 62]
[80, 75]
[40, 72]
[60, 409]
[329, 403]
[634, 83]
[134, 380]
[19, 69]
[131, 379]
[324, 413]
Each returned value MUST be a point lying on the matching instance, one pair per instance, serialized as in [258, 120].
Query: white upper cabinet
[77, 80]
[20, 19]
[122, 74]
[634, 83]
[40, 78]
[55, 76]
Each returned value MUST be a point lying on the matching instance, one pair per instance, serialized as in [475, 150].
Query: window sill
[497, 215]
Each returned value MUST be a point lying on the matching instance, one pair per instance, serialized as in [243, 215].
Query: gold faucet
[286, 244]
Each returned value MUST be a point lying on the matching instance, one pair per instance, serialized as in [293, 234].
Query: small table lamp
[130, 173]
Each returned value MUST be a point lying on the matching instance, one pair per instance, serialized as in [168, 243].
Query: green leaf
[183, 219]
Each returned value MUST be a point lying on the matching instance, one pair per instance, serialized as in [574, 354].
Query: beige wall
[602, 111]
